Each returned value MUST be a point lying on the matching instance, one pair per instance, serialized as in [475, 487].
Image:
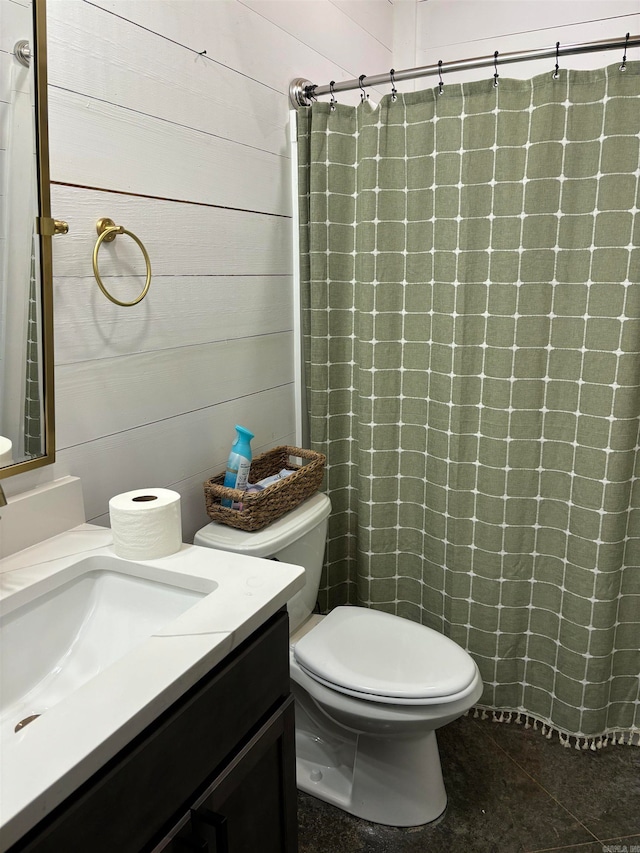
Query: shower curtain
[471, 314]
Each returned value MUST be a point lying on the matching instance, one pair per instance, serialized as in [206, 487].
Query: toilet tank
[299, 537]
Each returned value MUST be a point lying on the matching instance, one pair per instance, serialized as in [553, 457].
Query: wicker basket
[260, 509]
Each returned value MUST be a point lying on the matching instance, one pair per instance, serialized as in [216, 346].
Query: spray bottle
[237, 474]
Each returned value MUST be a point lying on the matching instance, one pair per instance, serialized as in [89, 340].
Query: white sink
[99, 647]
[59, 633]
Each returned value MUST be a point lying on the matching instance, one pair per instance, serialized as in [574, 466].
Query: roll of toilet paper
[6, 457]
[146, 524]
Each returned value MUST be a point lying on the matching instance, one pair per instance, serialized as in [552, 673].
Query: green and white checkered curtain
[33, 441]
[471, 290]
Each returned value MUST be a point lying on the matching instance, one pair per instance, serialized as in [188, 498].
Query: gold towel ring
[108, 230]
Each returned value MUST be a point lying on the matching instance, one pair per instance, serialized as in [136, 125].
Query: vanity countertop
[48, 759]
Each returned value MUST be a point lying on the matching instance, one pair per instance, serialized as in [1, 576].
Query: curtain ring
[495, 65]
[440, 84]
[623, 67]
[363, 94]
[108, 231]
[332, 102]
[556, 72]
[394, 91]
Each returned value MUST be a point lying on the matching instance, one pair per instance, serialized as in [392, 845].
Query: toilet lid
[371, 652]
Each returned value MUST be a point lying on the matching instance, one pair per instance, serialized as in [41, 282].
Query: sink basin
[101, 647]
[61, 632]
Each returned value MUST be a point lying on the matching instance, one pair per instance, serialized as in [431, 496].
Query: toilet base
[392, 781]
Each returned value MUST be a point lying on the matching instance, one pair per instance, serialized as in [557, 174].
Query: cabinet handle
[219, 824]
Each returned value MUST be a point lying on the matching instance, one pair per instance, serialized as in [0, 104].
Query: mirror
[26, 229]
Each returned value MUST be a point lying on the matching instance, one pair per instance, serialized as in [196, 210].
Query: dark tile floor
[510, 790]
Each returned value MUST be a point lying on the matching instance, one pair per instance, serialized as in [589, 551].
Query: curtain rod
[302, 92]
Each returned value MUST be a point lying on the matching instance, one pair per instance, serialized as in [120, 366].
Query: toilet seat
[377, 657]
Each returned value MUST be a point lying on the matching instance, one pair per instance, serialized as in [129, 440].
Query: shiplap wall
[189, 152]
[450, 30]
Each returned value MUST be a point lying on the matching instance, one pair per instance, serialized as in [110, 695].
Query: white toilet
[370, 688]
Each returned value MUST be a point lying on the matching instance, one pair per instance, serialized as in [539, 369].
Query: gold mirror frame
[45, 228]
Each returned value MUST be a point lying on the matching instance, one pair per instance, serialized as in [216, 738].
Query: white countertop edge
[57, 752]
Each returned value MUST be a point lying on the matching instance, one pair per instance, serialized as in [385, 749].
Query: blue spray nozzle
[244, 434]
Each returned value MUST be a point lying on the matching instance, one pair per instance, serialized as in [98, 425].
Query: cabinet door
[251, 805]
[132, 801]
[185, 841]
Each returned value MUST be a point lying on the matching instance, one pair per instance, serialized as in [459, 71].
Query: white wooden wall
[190, 153]
[451, 30]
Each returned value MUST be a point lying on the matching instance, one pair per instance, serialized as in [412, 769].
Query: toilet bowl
[370, 688]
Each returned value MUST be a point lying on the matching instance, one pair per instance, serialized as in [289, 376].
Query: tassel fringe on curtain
[471, 292]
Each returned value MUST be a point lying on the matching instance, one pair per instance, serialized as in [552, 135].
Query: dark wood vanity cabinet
[215, 773]
[240, 811]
